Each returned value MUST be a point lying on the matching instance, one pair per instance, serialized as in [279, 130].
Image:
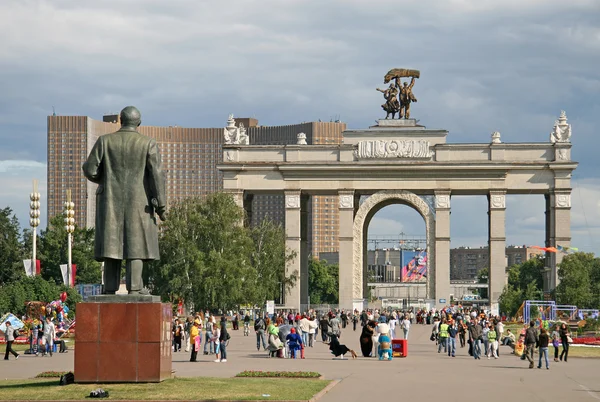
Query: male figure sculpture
[126, 166]
[406, 97]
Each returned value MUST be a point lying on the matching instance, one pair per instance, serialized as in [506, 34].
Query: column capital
[442, 199]
[346, 198]
[497, 199]
[292, 199]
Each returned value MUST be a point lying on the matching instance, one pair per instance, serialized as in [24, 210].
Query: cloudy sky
[507, 65]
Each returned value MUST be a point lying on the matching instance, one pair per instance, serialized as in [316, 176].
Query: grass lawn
[173, 389]
[579, 351]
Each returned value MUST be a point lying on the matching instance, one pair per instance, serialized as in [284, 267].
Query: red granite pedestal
[123, 342]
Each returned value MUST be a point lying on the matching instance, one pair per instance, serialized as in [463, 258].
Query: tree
[11, 252]
[510, 300]
[209, 259]
[531, 272]
[269, 259]
[575, 273]
[323, 282]
[13, 296]
[53, 248]
[525, 282]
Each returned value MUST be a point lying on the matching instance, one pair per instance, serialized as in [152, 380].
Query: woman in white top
[216, 334]
[312, 329]
[406, 326]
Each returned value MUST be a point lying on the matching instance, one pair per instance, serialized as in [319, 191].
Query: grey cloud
[507, 66]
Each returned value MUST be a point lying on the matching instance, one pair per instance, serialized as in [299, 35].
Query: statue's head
[131, 117]
[405, 84]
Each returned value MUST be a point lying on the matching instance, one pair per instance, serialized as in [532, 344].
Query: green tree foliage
[13, 296]
[52, 252]
[209, 259]
[525, 282]
[510, 300]
[269, 255]
[579, 276]
[323, 282]
[11, 251]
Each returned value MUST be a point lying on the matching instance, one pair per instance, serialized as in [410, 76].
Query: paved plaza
[424, 374]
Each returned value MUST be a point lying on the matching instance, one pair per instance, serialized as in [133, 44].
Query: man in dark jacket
[126, 166]
[475, 336]
[531, 340]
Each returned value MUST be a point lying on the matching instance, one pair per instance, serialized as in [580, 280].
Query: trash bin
[399, 348]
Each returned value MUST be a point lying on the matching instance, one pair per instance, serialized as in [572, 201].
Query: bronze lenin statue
[126, 165]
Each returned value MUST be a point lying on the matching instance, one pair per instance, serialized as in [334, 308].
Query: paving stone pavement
[424, 374]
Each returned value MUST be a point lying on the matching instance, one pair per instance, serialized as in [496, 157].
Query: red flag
[37, 267]
[73, 273]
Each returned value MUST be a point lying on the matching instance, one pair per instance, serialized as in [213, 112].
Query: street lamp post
[70, 228]
[34, 219]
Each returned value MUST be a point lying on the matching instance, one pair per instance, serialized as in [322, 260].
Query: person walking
[208, 334]
[223, 339]
[194, 332]
[336, 326]
[304, 328]
[324, 324]
[406, 323]
[313, 325]
[531, 340]
[9, 336]
[565, 335]
[443, 336]
[499, 332]
[493, 343]
[543, 348]
[177, 335]
[556, 341]
[49, 335]
[259, 328]
[462, 332]
[475, 336]
[452, 331]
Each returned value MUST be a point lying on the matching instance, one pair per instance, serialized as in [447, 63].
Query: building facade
[466, 262]
[190, 156]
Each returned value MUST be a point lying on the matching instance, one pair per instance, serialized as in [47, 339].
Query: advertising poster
[414, 266]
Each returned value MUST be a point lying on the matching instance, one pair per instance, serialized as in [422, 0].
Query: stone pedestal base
[123, 342]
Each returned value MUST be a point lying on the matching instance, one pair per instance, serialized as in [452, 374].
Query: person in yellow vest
[493, 342]
[443, 336]
[194, 332]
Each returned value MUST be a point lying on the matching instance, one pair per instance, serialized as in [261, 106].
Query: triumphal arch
[398, 161]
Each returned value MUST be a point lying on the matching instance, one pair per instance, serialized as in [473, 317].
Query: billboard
[414, 266]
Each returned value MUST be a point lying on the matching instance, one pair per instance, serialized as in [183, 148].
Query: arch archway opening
[391, 270]
[395, 255]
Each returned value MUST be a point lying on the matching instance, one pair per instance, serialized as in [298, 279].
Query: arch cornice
[362, 218]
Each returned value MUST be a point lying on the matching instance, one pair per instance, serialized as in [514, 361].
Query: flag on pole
[28, 267]
[63, 270]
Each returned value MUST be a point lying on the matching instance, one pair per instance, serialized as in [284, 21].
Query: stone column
[442, 249]
[304, 251]
[292, 243]
[558, 232]
[346, 250]
[496, 246]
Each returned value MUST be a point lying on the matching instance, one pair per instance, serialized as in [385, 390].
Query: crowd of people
[483, 334]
